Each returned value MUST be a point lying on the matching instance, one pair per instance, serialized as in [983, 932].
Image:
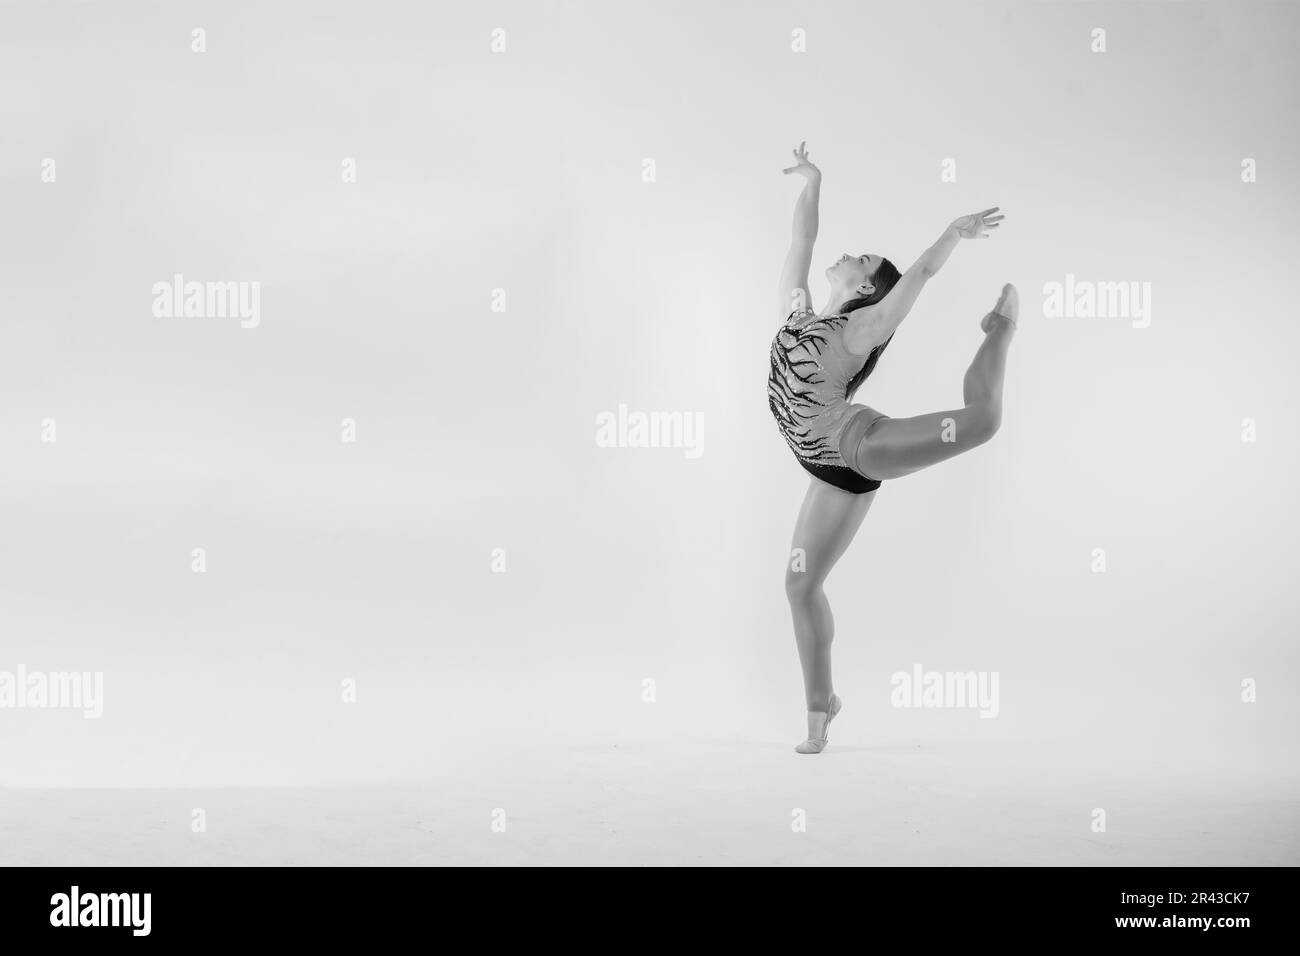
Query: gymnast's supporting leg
[894, 447]
[828, 520]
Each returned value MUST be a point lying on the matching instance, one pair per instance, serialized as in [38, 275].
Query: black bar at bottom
[333, 906]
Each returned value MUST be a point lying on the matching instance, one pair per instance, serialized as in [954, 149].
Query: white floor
[687, 802]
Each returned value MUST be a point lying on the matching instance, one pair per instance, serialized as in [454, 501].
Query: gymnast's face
[854, 273]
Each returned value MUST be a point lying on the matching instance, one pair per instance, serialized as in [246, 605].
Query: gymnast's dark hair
[887, 275]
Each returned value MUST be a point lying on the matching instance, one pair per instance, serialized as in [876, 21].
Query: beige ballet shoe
[815, 745]
[1007, 308]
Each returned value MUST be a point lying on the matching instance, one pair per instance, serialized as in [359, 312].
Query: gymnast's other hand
[976, 225]
[803, 166]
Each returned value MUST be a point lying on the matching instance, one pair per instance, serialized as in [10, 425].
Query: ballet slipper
[815, 745]
[1008, 308]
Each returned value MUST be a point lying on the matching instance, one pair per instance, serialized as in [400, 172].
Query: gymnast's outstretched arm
[793, 290]
[872, 325]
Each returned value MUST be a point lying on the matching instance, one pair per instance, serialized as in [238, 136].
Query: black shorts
[841, 477]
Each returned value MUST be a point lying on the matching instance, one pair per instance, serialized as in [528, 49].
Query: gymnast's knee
[801, 586]
[985, 420]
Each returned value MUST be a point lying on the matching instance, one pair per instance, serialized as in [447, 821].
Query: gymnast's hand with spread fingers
[976, 225]
[803, 166]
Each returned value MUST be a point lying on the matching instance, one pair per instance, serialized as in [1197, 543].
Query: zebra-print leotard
[810, 389]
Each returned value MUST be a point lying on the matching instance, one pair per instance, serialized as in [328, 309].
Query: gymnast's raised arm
[793, 291]
[872, 325]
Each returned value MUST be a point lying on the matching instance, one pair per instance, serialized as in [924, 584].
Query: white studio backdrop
[495, 582]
